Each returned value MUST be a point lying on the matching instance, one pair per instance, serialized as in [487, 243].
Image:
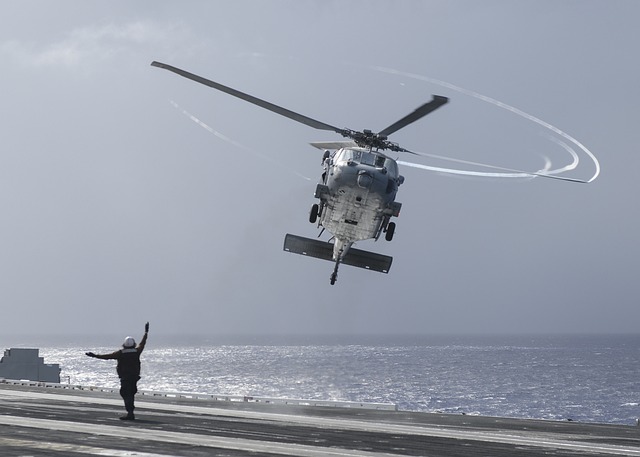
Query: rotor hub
[369, 139]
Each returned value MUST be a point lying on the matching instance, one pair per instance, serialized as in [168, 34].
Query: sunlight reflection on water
[543, 378]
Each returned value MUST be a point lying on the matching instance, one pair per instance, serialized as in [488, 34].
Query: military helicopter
[358, 187]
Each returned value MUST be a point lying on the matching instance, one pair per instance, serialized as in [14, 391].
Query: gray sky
[117, 208]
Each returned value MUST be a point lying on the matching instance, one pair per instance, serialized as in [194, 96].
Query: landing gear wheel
[391, 228]
[313, 215]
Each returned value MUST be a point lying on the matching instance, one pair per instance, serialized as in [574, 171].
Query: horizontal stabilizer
[324, 250]
[334, 144]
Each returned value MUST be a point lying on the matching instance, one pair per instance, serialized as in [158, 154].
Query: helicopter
[358, 186]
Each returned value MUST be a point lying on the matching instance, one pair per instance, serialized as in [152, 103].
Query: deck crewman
[128, 369]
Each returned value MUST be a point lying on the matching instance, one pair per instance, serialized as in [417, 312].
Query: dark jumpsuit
[128, 371]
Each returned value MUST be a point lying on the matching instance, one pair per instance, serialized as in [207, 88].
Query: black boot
[129, 406]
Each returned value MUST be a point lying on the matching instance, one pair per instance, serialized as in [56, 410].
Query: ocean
[581, 378]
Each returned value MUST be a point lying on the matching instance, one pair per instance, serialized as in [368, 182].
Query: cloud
[88, 46]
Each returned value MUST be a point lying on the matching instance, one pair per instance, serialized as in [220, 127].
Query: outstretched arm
[113, 355]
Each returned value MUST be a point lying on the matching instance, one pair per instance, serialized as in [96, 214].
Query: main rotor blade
[251, 99]
[437, 102]
[494, 167]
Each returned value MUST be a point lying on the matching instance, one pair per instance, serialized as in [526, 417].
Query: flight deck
[39, 420]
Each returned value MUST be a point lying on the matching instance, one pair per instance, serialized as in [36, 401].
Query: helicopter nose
[364, 179]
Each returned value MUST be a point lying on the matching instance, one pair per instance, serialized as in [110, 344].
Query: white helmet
[129, 342]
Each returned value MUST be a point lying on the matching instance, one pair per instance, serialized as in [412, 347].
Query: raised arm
[143, 341]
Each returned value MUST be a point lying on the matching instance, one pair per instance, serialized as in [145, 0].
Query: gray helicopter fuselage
[358, 195]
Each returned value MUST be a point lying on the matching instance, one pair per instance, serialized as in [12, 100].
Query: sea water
[582, 378]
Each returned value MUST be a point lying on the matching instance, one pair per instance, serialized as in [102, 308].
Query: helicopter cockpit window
[375, 160]
[368, 158]
[348, 155]
[391, 166]
[364, 157]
